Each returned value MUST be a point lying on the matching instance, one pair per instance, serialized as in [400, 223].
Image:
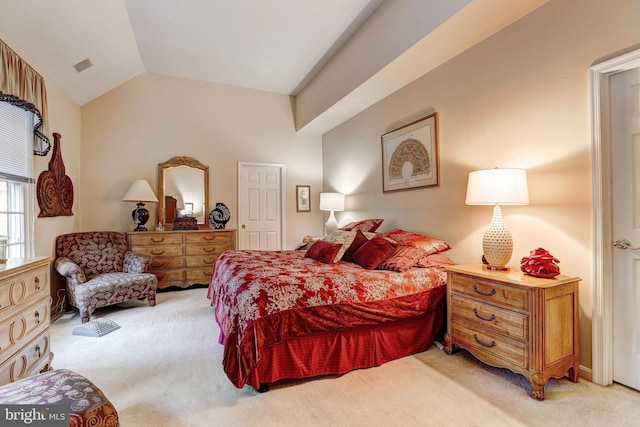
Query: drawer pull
[207, 262]
[209, 237]
[493, 343]
[486, 319]
[493, 291]
[38, 351]
[157, 264]
[37, 314]
[37, 283]
[209, 250]
[154, 240]
[160, 277]
[154, 252]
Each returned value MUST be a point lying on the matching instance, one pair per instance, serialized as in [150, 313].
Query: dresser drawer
[492, 345]
[202, 261]
[22, 289]
[155, 251]
[23, 326]
[155, 239]
[33, 358]
[165, 263]
[199, 275]
[223, 238]
[510, 323]
[170, 275]
[491, 292]
[209, 249]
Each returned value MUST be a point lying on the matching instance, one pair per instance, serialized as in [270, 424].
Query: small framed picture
[303, 198]
[410, 156]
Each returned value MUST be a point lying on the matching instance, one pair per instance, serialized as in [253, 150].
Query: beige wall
[518, 99]
[151, 118]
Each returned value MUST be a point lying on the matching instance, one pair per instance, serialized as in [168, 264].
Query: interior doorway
[603, 213]
[261, 206]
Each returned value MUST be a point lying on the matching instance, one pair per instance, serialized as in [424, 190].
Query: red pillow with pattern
[407, 238]
[366, 225]
[323, 251]
[359, 240]
[402, 259]
[435, 260]
[371, 254]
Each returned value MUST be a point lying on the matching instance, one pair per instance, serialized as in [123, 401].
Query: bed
[296, 314]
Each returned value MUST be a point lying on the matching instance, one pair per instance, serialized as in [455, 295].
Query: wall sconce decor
[140, 192]
[331, 202]
[495, 187]
[54, 188]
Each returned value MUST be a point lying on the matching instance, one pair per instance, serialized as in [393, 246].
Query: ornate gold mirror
[183, 190]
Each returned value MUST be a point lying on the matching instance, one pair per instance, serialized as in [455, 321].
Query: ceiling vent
[83, 65]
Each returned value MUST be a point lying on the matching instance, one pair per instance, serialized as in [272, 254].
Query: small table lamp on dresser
[495, 187]
[140, 192]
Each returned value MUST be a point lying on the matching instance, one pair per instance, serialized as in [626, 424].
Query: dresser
[182, 258]
[511, 320]
[25, 306]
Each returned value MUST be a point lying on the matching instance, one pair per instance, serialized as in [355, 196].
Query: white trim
[283, 197]
[602, 315]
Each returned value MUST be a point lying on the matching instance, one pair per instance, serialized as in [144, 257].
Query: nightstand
[511, 320]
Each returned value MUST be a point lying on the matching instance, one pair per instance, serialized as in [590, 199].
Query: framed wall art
[303, 198]
[410, 156]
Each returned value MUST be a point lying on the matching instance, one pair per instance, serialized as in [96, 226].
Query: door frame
[601, 170]
[283, 197]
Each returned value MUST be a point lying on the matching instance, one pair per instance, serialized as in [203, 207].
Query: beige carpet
[163, 368]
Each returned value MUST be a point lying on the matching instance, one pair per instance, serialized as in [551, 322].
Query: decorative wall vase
[54, 188]
[219, 217]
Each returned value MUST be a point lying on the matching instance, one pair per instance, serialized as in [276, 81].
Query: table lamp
[140, 192]
[496, 187]
[331, 202]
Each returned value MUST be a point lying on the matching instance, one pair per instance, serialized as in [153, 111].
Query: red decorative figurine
[540, 263]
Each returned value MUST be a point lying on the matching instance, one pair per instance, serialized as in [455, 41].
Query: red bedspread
[264, 297]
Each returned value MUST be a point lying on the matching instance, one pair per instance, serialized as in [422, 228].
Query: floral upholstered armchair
[100, 271]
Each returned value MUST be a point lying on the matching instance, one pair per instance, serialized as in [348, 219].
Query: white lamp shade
[497, 187]
[331, 201]
[140, 191]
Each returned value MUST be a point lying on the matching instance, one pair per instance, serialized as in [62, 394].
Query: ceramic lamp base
[497, 243]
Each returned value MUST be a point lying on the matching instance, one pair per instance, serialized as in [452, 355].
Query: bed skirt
[338, 352]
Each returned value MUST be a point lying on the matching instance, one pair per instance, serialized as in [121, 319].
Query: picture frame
[303, 198]
[410, 156]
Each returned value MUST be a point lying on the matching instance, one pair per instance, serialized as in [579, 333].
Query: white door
[260, 202]
[625, 141]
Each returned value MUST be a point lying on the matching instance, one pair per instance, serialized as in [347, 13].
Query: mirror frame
[182, 161]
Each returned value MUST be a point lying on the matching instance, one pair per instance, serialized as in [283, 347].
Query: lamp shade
[140, 191]
[331, 201]
[497, 187]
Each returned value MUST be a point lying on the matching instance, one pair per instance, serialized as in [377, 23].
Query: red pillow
[407, 238]
[323, 251]
[366, 225]
[358, 241]
[403, 258]
[372, 253]
[435, 260]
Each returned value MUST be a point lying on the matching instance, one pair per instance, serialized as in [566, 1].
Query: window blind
[16, 140]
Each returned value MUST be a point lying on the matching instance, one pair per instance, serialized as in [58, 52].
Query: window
[16, 180]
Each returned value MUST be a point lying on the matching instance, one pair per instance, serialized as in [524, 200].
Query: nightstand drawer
[493, 345]
[510, 323]
[490, 291]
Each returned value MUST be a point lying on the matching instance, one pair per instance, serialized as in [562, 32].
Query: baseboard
[586, 373]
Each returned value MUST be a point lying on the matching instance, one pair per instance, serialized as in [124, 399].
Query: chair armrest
[71, 271]
[135, 263]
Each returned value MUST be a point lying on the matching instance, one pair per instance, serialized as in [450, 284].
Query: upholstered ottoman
[88, 406]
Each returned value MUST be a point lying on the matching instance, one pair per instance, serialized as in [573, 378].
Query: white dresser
[25, 306]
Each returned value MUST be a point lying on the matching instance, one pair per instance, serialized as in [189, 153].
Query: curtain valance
[22, 86]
